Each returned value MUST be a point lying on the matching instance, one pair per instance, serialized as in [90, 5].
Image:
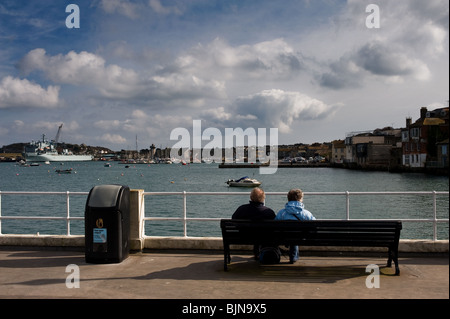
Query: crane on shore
[58, 134]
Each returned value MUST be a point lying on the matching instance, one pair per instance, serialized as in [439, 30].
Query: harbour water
[210, 178]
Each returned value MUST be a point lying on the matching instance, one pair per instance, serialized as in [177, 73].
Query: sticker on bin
[100, 235]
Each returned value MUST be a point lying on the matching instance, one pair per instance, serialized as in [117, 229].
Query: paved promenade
[33, 273]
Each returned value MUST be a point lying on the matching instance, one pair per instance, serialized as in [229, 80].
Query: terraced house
[425, 142]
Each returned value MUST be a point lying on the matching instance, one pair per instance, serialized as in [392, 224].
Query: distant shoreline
[352, 166]
[257, 165]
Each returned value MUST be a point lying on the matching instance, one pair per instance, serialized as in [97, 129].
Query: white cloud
[273, 59]
[107, 124]
[139, 114]
[115, 82]
[217, 114]
[23, 93]
[186, 87]
[82, 68]
[113, 139]
[279, 109]
[127, 8]
[159, 8]
[48, 126]
[18, 124]
[413, 35]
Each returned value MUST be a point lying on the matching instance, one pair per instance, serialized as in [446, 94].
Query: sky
[132, 72]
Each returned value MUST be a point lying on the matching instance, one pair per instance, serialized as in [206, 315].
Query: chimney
[408, 121]
[423, 112]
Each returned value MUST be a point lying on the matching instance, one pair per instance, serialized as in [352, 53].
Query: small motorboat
[243, 182]
[64, 171]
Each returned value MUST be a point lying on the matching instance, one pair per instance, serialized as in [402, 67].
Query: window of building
[415, 132]
[405, 136]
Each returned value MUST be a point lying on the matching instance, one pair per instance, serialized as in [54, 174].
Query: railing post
[347, 194]
[68, 213]
[137, 212]
[184, 215]
[0, 212]
[434, 217]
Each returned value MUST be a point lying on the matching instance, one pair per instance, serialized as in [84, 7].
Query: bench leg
[393, 256]
[226, 257]
[397, 268]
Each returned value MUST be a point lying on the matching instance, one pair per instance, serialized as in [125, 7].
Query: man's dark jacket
[253, 211]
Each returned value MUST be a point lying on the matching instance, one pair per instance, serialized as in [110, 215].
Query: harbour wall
[77, 242]
[140, 242]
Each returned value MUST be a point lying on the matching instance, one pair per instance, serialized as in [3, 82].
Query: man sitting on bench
[255, 210]
[294, 210]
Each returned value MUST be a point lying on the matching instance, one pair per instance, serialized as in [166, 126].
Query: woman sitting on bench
[294, 210]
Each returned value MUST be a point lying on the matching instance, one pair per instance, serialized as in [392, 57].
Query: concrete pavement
[34, 273]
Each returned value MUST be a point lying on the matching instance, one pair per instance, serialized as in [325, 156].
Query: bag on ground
[269, 255]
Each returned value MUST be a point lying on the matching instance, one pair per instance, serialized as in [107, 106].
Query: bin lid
[104, 196]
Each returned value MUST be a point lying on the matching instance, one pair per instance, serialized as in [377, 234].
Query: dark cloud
[372, 59]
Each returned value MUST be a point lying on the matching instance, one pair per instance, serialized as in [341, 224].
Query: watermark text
[73, 279]
[73, 19]
[259, 147]
[373, 19]
[373, 279]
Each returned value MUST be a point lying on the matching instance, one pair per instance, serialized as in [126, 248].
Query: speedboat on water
[243, 182]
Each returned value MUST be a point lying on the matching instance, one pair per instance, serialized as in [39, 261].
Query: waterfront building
[425, 142]
[338, 152]
[376, 149]
[442, 153]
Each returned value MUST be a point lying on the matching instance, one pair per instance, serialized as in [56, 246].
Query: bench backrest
[317, 232]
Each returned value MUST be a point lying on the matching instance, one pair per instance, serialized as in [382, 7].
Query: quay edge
[204, 243]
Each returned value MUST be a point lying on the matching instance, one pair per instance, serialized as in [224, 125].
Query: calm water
[208, 177]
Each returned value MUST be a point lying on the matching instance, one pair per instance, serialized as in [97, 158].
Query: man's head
[257, 195]
[295, 195]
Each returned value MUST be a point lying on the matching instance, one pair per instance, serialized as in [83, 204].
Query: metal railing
[185, 219]
[66, 218]
[347, 195]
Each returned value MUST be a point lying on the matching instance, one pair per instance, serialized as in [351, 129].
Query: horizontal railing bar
[41, 193]
[41, 217]
[235, 193]
[442, 220]
[305, 193]
[182, 219]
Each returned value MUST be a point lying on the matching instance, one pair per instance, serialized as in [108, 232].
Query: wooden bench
[312, 233]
